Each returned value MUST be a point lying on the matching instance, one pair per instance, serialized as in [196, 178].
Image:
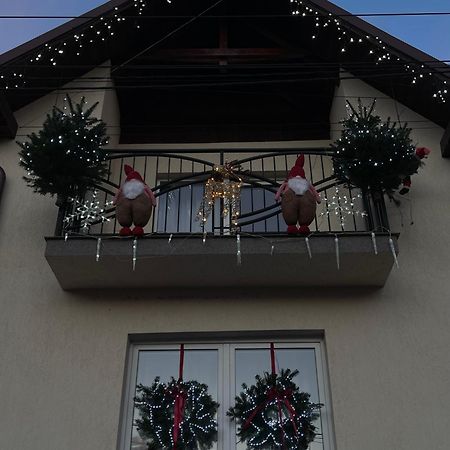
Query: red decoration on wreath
[281, 397]
[180, 401]
[274, 406]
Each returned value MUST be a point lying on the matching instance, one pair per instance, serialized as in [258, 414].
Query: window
[224, 367]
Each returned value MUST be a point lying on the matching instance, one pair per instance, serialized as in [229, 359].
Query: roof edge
[399, 45]
[60, 31]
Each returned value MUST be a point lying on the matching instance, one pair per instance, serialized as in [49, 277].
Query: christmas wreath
[64, 158]
[273, 413]
[372, 154]
[179, 415]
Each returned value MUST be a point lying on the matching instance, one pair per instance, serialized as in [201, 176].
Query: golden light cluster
[224, 185]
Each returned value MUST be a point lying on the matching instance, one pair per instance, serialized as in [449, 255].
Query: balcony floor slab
[188, 262]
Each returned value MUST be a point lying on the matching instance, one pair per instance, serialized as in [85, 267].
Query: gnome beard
[132, 189]
[299, 185]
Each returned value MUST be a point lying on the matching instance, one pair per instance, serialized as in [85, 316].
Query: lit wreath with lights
[372, 154]
[178, 415]
[273, 413]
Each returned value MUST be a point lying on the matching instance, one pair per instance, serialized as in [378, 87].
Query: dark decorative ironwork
[178, 177]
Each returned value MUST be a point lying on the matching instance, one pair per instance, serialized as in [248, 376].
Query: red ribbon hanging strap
[272, 358]
[180, 401]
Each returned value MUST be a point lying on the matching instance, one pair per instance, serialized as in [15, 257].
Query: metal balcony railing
[177, 178]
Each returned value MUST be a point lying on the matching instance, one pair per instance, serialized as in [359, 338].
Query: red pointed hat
[297, 170]
[422, 152]
[132, 174]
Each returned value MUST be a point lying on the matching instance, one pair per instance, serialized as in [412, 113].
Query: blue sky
[431, 34]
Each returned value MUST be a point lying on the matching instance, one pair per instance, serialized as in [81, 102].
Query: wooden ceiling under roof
[242, 70]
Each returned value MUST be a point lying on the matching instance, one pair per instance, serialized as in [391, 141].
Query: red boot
[292, 229]
[303, 230]
[138, 231]
[125, 231]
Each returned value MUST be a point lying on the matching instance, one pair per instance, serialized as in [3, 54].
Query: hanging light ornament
[226, 185]
[343, 205]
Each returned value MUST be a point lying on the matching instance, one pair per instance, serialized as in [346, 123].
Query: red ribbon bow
[178, 413]
[281, 397]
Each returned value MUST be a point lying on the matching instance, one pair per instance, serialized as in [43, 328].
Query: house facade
[360, 306]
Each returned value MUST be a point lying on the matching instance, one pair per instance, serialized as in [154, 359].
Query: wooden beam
[2, 181]
[445, 143]
[8, 123]
[183, 53]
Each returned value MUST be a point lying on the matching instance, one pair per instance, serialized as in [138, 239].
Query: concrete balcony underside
[188, 262]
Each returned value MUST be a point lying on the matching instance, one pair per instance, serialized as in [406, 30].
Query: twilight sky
[431, 34]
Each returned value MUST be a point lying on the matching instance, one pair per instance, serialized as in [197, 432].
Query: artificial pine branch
[65, 157]
[374, 155]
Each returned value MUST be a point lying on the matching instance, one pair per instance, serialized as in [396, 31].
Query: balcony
[349, 245]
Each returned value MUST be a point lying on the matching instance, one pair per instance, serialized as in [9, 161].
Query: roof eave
[398, 45]
[60, 31]
[8, 125]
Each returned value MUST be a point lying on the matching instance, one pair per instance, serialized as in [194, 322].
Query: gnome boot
[125, 231]
[292, 229]
[303, 229]
[138, 231]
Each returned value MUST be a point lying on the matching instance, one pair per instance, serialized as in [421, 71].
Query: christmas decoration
[223, 184]
[394, 253]
[179, 415]
[338, 258]
[373, 155]
[342, 205]
[134, 253]
[421, 153]
[105, 29]
[274, 414]
[88, 212]
[298, 199]
[134, 203]
[65, 158]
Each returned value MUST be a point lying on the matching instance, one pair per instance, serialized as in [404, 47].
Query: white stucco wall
[62, 354]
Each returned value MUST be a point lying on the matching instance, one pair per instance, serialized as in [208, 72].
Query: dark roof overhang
[119, 51]
[2, 182]
[8, 123]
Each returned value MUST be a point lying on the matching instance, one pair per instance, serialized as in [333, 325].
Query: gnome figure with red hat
[421, 153]
[298, 199]
[134, 203]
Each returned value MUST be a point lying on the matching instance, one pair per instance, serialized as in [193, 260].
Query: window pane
[177, 211]
[199, 365]
[254, 199]
[250, 362]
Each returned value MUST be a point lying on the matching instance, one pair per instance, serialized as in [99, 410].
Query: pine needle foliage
[156, 404]
[274, 414]
[65, 157]
[372, 154]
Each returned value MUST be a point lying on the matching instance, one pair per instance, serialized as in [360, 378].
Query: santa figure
[299, 199]
[421, 153]
[134, 203]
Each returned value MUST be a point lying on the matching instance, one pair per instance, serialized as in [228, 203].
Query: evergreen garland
[64, 158]
[374, 155]
[257, 413]
[156, 405]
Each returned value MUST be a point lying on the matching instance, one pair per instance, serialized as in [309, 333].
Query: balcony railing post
[61, 203]
[222, 203]
[368, 206]
[380, 208]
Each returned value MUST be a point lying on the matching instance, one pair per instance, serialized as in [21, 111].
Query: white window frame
[226, 385]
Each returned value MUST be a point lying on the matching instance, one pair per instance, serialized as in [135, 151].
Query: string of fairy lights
[379, 52]
[106, 27]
